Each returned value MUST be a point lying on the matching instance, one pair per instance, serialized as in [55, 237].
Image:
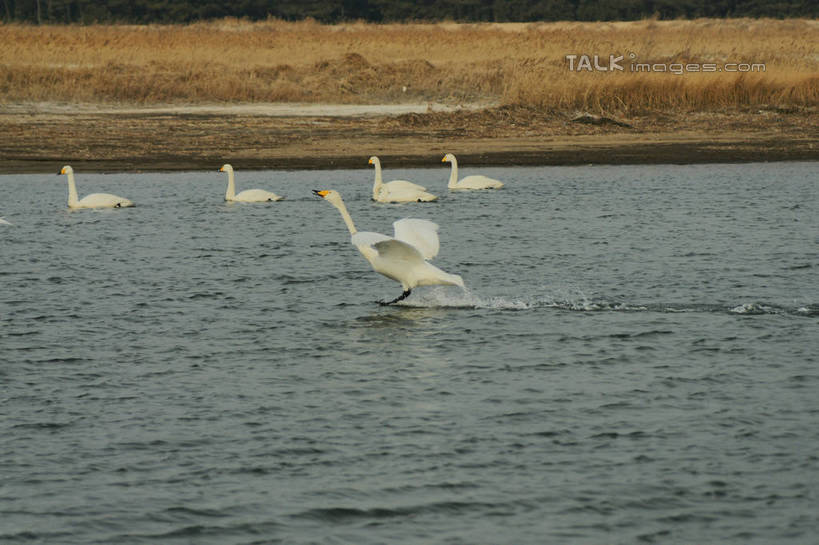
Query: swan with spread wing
[403, 257]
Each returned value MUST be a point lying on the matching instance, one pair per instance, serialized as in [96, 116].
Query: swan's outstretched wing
[389, 248]
[367, 238]
[397, 251]
[421, 234]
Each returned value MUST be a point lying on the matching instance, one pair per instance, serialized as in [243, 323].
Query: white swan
[248, 195]
[94, 200]
[470, 182]
[403, 257]
[397, 190]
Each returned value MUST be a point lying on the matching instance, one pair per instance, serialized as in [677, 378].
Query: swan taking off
[470, 182]
[94, 200]
[248, 195]
[403, 257]
[397, 190]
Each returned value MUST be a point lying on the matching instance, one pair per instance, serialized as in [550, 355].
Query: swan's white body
[403, 257]
[469, 182]
[94, 200]
[248, 195]
[397, 190]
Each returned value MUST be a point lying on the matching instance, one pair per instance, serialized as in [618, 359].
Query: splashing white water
[444, 297]
[753, 308]
[573, 299]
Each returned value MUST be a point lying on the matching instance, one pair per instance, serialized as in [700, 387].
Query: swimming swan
[403, 257]
[397, 190]
[248, 195]
[470, 182]
[94, 200]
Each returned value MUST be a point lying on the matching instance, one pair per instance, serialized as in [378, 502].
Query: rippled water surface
[634, 361]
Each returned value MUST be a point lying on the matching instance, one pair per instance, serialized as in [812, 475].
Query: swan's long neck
[348, 220]
[73, 200]
[453, 175]
[231, 188]
[379, 182]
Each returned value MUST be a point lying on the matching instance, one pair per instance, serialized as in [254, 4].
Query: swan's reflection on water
[398, 317]
[410, 330]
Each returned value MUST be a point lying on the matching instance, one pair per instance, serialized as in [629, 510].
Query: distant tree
[332, 11]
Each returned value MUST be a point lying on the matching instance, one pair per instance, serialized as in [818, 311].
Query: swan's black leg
[118, 205]
[399, 298]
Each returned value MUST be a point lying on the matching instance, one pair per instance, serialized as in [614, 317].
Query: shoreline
[98, 138]
[658, 153]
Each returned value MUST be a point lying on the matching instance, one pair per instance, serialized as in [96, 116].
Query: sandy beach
[42, 137]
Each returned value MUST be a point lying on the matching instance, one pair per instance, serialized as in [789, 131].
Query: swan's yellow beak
[323, 193]
[370, 162]
[444, 159]
[62, 171]
[221, 169]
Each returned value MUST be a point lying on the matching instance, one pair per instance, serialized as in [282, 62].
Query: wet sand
[43, 137]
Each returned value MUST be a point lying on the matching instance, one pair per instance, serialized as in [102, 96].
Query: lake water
[635, 361]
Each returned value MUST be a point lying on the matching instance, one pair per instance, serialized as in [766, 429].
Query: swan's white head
[226, 168]
[329, 195]
[66, 170]
[448, 158]
[334, 198]
[374, 161]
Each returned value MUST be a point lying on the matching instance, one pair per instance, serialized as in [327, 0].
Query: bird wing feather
[422, 234]
[403, 185]
[397, 250]
[368, 238]
[479, 181]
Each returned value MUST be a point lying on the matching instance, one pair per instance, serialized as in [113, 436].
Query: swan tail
[439, 277]
[452, 279]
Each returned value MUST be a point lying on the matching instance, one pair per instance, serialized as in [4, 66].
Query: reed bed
[507, 64]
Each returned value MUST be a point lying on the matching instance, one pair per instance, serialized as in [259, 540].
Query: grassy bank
[510, 64]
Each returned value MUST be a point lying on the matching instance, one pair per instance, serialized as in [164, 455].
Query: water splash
[576, 300]
[443, 297]
[753, 308]
[761, 308]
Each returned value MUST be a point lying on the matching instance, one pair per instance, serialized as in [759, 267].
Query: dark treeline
[332, 11]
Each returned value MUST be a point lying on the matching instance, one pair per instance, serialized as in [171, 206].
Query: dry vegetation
[510, 64]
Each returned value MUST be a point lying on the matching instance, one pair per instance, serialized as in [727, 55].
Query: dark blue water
[635, 361]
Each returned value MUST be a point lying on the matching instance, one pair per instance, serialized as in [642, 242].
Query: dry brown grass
[515, 64]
